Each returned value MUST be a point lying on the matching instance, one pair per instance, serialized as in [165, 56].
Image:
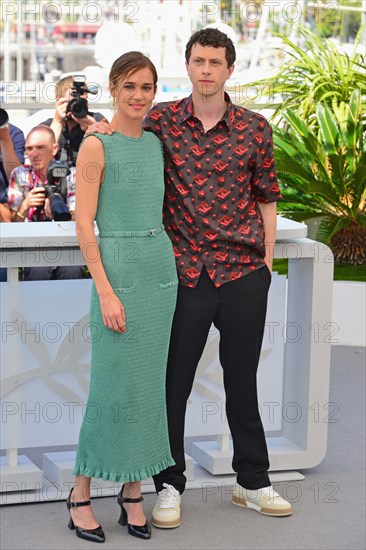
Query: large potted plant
[323, 174]
[319, 125]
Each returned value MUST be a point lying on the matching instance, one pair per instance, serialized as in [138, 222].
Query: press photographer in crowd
[72, 116]
[42, 191]
[11, 155]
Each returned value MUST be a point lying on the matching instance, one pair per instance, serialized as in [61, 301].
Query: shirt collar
[35, 175]
[187, 110]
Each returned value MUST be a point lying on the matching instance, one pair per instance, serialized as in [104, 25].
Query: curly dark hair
[214, 38]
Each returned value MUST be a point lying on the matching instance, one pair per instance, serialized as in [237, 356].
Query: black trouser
[238, 310]
[47, 273]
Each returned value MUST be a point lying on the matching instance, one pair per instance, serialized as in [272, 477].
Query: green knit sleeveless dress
[124, 433]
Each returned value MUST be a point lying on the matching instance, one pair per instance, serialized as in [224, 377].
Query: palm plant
[319, 125]
[314, 72]
[323, 173]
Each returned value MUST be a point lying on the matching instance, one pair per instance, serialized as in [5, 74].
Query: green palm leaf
[327, 228]
[354, 128]
[328, 128]
[290, 166]
[296, 123]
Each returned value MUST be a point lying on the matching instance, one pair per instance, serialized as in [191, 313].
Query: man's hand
[84, 122]
[5, 214]
[36, 197]
[8, 153]
[47, 209]
[59, 118]
[268, 264]
[103, 127]
[60, 112]
[268, 211]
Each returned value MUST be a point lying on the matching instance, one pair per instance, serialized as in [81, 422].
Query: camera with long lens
[4, 117]
[56, 190]
[78, 106]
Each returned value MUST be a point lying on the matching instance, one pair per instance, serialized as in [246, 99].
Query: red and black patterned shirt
[213, 184]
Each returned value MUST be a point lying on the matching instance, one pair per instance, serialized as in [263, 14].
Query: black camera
[56, 190]
[4, 117]
[78, 106]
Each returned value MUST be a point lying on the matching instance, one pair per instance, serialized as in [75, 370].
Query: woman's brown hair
[129, 63]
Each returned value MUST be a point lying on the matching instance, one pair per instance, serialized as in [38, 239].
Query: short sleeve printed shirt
[214, 182]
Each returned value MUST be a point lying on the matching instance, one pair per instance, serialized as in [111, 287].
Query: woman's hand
[113, 312]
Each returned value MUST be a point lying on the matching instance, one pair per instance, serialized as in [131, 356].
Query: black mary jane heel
[92, 535]
[140, 531]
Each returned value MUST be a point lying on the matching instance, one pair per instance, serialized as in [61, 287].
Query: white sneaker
[166, 512]
[265, 501]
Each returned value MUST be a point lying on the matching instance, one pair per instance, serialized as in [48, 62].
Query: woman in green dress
[120, 184]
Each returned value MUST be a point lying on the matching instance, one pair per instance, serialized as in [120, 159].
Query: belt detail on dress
[147, 233]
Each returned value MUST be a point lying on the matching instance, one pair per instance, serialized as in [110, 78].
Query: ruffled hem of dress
[84, 470]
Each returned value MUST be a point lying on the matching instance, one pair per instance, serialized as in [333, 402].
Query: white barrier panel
[45, 358]
[44, 392]
[43, 399]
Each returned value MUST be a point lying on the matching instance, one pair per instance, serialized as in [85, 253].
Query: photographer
[30, 196]
[72, 116]
[11, 155]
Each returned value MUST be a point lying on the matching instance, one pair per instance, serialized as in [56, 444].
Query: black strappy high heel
[93, 535]
[140, 531]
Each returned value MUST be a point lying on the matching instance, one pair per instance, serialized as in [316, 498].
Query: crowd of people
[196, 184]
[25, 168]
